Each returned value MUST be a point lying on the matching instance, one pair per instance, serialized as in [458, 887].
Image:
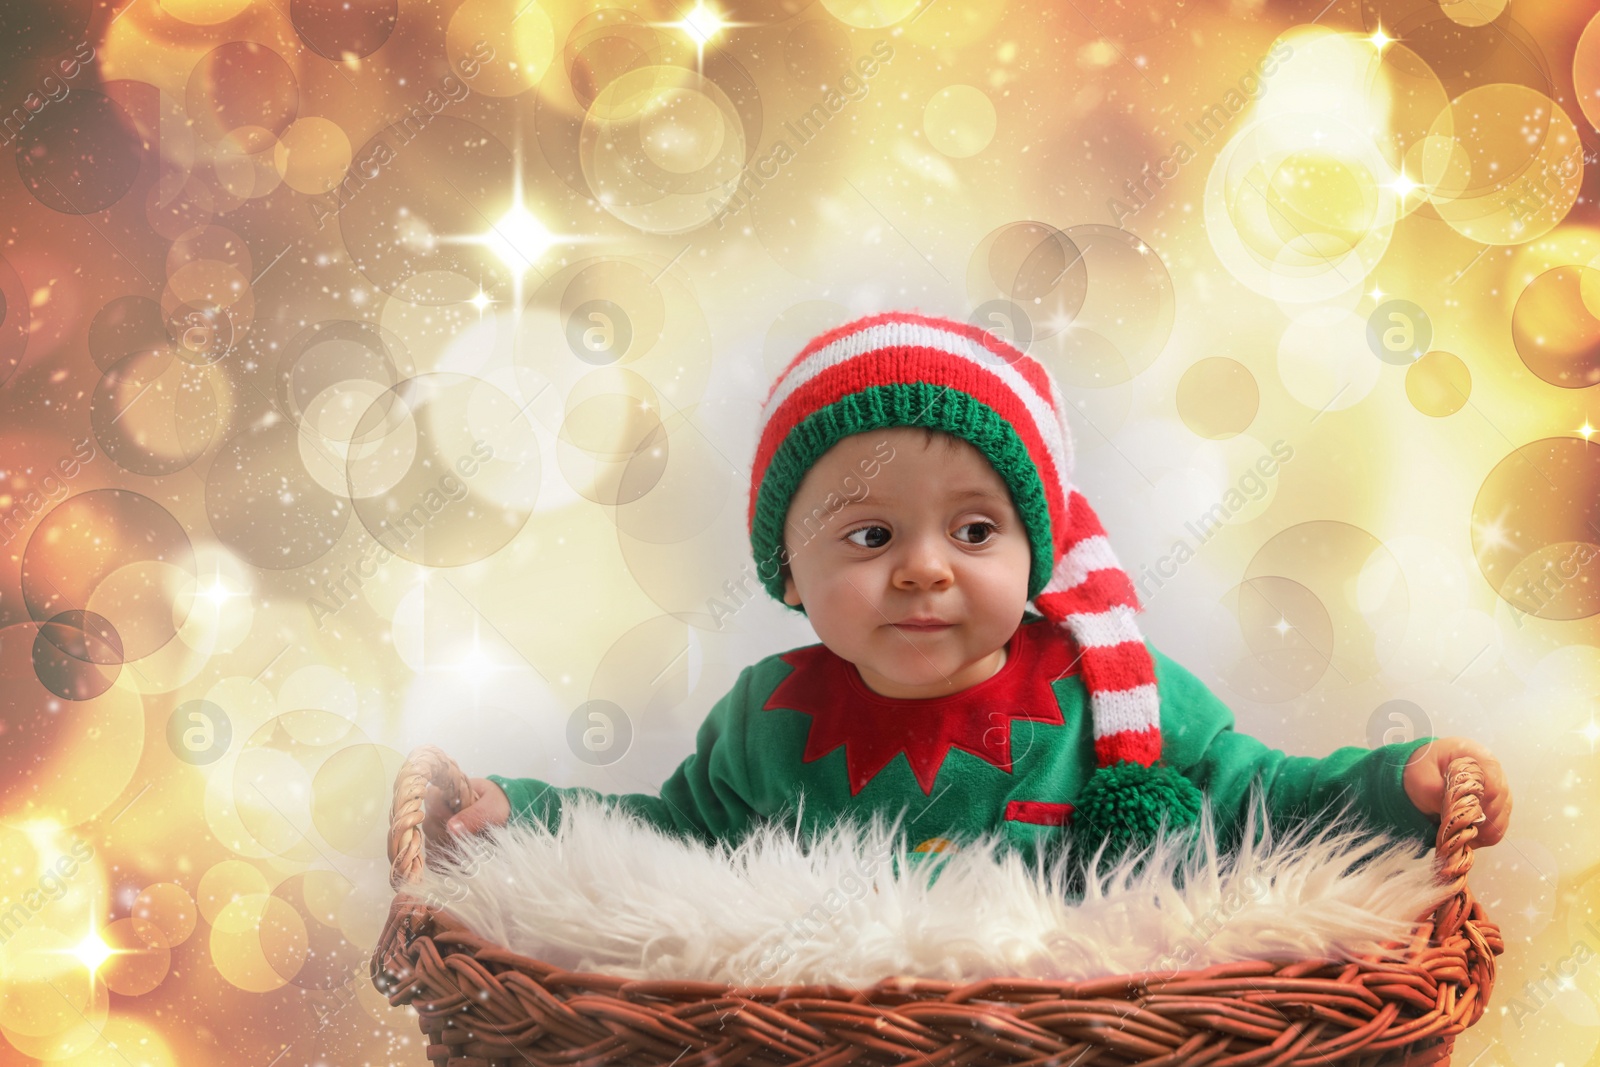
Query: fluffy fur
[608, 892]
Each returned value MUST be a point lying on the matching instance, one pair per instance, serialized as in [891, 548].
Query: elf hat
[907, 369]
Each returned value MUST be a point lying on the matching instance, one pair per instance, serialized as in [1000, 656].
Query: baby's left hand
[1424, 783]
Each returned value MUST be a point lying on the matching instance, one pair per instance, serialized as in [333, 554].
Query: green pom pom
[1124, 804]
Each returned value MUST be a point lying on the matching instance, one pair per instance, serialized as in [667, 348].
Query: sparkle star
[1590, 733]
[1282, 626]
[92, 951]
[519, 238]
[700, 25]
[1403, 186]
[219, 593]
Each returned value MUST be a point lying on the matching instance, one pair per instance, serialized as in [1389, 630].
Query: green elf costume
[1086, 732]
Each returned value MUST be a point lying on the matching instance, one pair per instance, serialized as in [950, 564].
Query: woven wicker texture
[481, 1005]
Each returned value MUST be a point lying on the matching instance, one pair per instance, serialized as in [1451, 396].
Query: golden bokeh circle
[629, 290]
[1126, 315]
[246, 89]
[1316, 193]
[170, 908]
[1472, 13]
[1035, 266]
[350, 797]
[1586, 71]
[313, 155]
[1356, 580]
[62, 761]
[1503, 164]
[602, 46]
[1534, 529]
[1294, 206]
[154, 413]
[258, 942]
[520, 36]
[612, 447]
[85, 541]
[331, 960]
[959, 120]
[871, 14]
[274, 776]
[681, 131]
[643, 114]
[225, 881]
[210, 283]
[1555, 329]
[245, 162]
[1438, 384]
[210, 242]
[444, 469]
[1218, 397]
[1288, 634]
[203, 12]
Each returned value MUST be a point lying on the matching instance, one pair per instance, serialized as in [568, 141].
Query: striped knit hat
[906, 369]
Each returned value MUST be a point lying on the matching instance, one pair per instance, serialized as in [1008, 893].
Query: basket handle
[1458, 827]
[407, 845]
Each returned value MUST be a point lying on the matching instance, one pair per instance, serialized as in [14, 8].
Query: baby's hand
[439, 823]
[1424, 783]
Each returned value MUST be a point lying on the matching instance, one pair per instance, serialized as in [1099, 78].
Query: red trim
[1043, 812]
[875, 729]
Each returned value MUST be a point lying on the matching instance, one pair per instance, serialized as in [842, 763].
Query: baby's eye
[987, 527]
[869, 529]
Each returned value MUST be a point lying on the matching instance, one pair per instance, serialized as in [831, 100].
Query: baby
[912, 494]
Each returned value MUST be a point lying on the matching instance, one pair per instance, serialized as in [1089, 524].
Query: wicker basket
[482, 1005]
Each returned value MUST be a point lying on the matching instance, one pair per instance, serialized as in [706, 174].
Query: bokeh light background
[386, 372]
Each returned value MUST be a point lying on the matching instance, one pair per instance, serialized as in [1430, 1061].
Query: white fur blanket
[607, 892]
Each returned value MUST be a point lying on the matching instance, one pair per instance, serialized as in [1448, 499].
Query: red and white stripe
[1091, 595]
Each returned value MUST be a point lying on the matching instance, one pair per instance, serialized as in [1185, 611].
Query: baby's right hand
[490, 809]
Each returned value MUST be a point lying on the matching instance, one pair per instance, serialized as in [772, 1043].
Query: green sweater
[1010, 752]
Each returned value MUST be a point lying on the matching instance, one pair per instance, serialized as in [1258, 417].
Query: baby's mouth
[922, 624]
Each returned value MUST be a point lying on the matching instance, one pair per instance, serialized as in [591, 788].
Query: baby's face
[888, 526]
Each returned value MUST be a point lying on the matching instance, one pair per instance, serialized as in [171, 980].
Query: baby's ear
[791, 595]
